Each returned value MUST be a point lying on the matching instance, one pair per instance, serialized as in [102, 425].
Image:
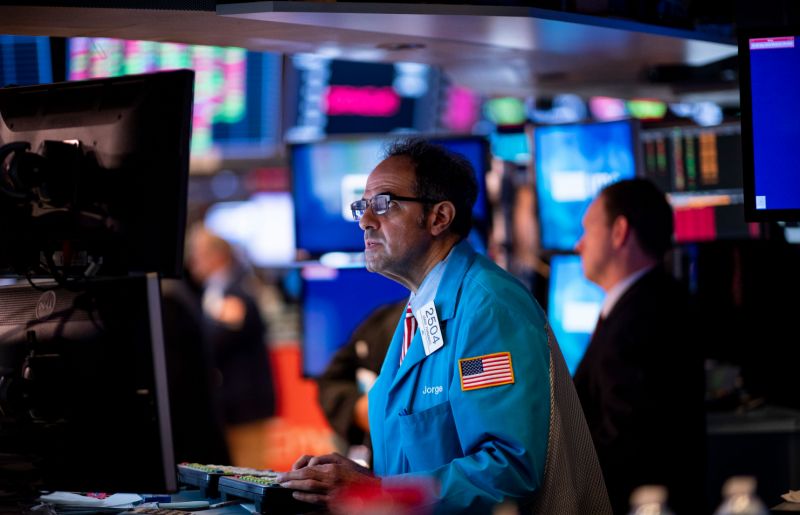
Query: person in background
[237, 335]
[347, 379]
[465, 401]
[641, 379]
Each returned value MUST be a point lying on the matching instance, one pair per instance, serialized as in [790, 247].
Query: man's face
[202, 260]
[395, 242]
[595, 246]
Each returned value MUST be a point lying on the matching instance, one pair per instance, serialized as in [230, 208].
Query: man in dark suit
[641, 380]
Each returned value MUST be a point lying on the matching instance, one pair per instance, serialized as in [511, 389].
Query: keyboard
[206, 477]
[267, 495]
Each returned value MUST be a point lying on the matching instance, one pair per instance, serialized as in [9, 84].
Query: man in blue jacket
[463, 397]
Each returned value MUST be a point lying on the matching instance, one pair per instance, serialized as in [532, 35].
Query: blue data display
[774, 86]
[328, 176]
[335, 302]
[25, 60]
[573, 162]
[573, 305]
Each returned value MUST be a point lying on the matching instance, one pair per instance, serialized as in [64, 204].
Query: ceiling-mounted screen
[327, 96]
[236, 112]
[769, 79]
[25, 60]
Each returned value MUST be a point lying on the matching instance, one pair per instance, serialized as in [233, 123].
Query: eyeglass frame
[370, 203]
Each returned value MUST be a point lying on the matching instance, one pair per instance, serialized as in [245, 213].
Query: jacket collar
[446, 299]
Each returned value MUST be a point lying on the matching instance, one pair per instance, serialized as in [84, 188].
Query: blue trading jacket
[482, 445]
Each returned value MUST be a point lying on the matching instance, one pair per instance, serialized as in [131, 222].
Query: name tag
[431, 332]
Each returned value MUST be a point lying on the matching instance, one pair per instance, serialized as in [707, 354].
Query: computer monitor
[573, 306]
[84, 387]
[769, 78]
[700, 170]
[328, 175]
[94, 176]
[573, 162]
[334, 302]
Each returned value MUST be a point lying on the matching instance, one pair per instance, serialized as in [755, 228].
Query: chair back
[573, 482]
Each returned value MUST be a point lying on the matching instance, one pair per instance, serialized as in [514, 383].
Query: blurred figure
[641, 380]
[344, 385]
[237, 335]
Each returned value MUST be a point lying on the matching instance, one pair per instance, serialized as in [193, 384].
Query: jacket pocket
[429, 438]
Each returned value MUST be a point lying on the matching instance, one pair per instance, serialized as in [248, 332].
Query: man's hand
[319, 478]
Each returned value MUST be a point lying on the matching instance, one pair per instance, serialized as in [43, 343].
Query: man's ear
[441, 217]
[620, 231]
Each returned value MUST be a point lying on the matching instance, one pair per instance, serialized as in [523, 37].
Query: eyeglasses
[380, 204]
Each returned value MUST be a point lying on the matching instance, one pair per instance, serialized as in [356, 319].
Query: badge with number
[431, 331]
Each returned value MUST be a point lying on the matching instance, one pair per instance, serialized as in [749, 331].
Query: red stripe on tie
[408, 332]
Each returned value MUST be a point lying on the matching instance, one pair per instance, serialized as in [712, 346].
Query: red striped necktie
[408, 333]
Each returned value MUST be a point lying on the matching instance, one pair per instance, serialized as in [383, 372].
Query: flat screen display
[329, 175]
[573, 162]
[327, 96]
[573, 306]
[769, 78]
[236, 113]
[700, 169]
[25, 60]
[334, 302]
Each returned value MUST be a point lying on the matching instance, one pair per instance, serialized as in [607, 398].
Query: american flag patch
[485, 371]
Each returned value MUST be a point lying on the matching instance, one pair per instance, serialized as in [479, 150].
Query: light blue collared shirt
[621, 287]
[430, 285]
